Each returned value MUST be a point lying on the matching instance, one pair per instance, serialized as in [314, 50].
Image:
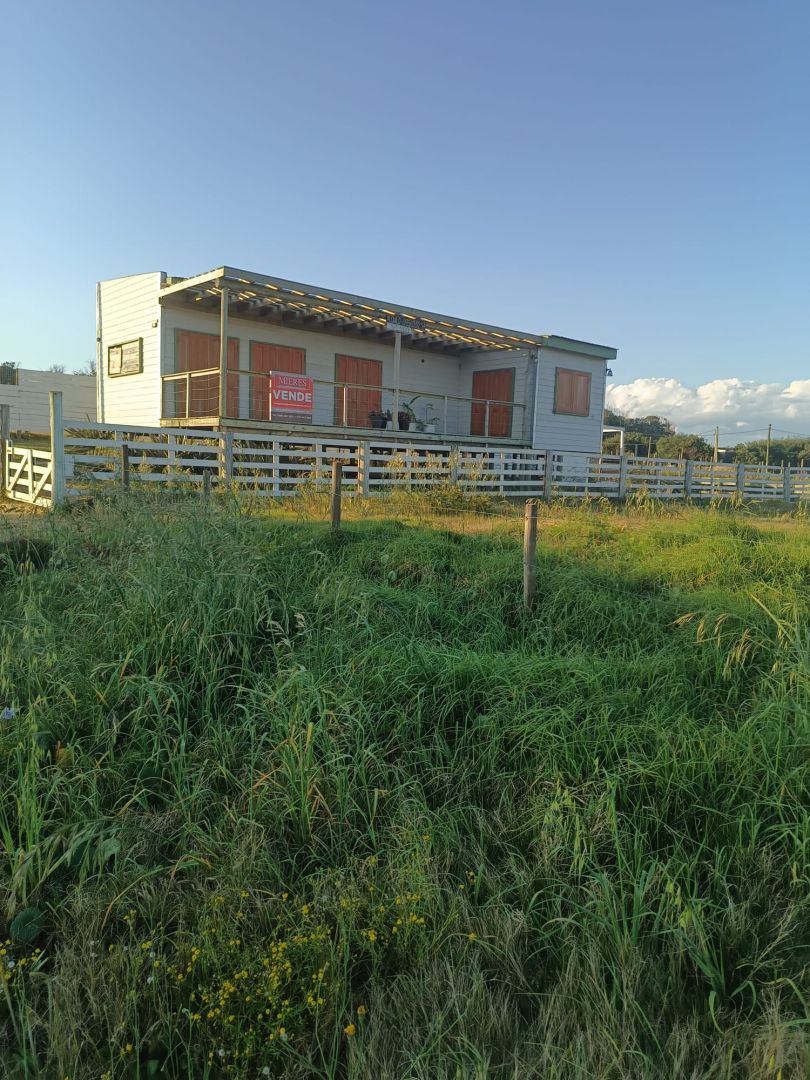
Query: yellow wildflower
[350, 1030]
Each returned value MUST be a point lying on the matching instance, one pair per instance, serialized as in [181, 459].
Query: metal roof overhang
[296, 304]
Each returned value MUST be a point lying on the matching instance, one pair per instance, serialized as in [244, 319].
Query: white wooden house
[372, 364]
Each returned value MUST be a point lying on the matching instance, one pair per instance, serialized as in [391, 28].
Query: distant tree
[641, 433]
[690, 447]
[782, 452]
[613, 419]
[87, 368]
[57, 369]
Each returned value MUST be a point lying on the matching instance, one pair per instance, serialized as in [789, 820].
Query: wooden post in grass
[529, 552]
[337, 480]
[5, 436]
[124, 465]
[57, 424]
[206, 486]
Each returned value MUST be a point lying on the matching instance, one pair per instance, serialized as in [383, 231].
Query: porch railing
[192, 395]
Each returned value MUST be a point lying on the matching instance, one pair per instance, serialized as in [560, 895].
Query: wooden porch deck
[326, 431]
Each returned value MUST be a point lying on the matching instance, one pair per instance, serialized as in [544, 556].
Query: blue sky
[631, 173]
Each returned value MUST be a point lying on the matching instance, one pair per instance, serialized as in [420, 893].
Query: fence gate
[28, 475]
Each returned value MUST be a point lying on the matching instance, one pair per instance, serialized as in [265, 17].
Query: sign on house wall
[291, 397]
[400, 325]
[125, 359]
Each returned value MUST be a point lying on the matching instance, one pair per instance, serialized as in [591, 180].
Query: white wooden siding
[128, 306]
[419, 371]
[557, 431]
[30, 403]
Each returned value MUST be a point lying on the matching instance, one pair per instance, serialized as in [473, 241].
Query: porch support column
[397, 354]
[223, 353]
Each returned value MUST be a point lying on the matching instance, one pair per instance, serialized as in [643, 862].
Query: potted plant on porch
[407, 417]
[379, 419]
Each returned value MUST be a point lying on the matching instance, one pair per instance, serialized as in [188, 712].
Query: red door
[492, 386]
[200, 352]
[362, 400]
[264, 359]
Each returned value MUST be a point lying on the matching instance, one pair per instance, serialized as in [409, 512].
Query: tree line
[656, 436]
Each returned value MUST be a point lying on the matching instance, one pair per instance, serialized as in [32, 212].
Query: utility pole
[768, 446]
[716, 443]
[649, 446]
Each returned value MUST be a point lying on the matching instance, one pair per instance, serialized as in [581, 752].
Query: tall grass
[280, 802]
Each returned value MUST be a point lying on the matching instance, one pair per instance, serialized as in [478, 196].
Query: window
[200, 352]
[492, 386]
[265, 358]
[356, 379]
[572, 392]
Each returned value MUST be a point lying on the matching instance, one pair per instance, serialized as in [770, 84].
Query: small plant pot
[379, 422]
[430, 429]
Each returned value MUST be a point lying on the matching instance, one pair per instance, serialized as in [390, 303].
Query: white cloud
[735, 405]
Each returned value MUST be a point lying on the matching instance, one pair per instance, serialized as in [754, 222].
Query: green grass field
[277, 802]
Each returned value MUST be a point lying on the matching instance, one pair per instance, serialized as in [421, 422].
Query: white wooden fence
[28, 474]
[98, 456]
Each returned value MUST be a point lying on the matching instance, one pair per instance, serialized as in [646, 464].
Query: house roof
[292, 302]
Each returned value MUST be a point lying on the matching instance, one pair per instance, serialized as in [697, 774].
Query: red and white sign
[291, 397]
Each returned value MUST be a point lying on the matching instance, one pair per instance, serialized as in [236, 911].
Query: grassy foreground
[282, 803]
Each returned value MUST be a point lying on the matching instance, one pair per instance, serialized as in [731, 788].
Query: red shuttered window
[363, 400]
[572, 392]
[200, 352]
[492, 386]
[265, 358]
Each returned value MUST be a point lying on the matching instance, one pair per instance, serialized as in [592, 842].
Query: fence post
[226, 457]
[206, 486]
[124, 465]
[687, 478]
[529, 551]
[5, 436]
[786, 486]
[548, 475]
[741, 479]
[486, 420]
[624, 463]
[58, 492]
[337, 481]
[275, 459]
[363, 455]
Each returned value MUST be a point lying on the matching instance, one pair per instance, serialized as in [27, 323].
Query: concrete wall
[555, 431]
[128, 308]
[30, 402]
